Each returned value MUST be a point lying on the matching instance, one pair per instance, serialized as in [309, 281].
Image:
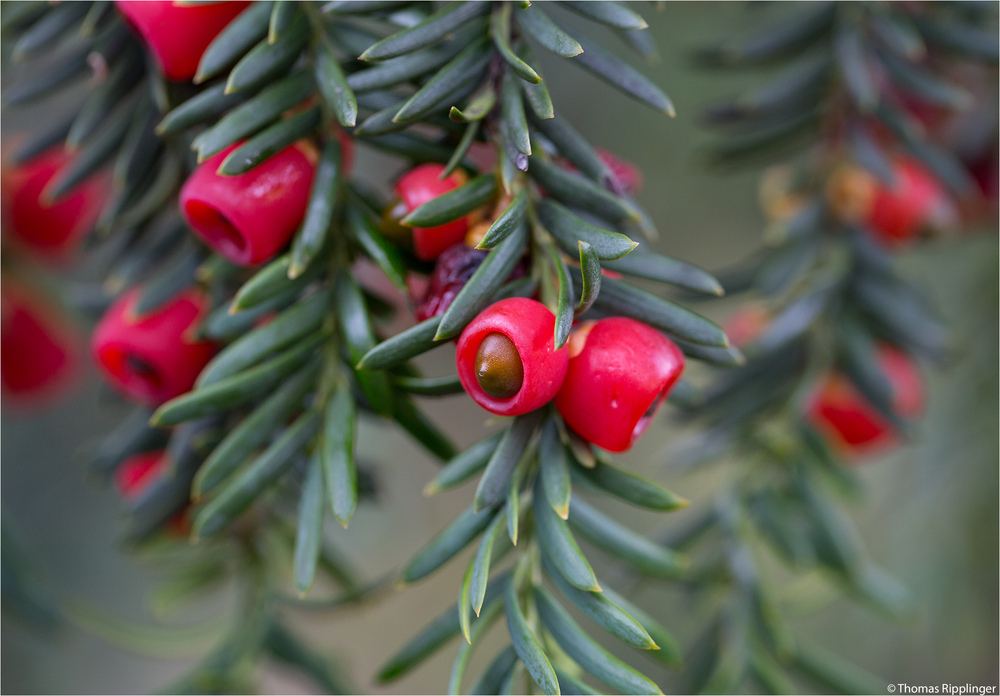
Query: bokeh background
[929, 515]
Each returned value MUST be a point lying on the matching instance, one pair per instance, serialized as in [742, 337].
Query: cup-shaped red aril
[418, 186]
[38, 351]
[153, 357]
[50, 230]
[135, 475]
[506, 357]
[177, 33]
[249, 218]
[619, 372]
[845, 416]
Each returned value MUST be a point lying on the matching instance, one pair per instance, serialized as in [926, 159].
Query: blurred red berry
[418, 186]
[49, 230]
[138, 472]
[745, 324]
[620, 370]
[840, 411]
[894, 215]
[249, 218]
[506, 358]
[628, 175]
[177, 33]
[154, 357]
[900, 213]
[38, 352]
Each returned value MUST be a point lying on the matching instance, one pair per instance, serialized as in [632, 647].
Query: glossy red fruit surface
[249, 218]
[138, 472]
[619, 372]
[529, 326]
[899, 213]
[38, 352]
[178, 33]
[416, 187]
[843, 414]
[50, 231]
[155, 357]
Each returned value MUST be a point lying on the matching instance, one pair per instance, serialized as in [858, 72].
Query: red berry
[506, 358]
[178, 33]
[745, 324]
[899, 213]
[155, 357]
[138, 472]
[38, 354]
[418, 186]
[54, 230]
[250, 217]
[619, 372]
[839, 409]
[629, 176]
[135, 476]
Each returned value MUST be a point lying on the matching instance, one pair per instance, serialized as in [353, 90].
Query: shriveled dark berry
[453, 269]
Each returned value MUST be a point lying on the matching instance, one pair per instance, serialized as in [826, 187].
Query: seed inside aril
[499, 369]
[390, 225]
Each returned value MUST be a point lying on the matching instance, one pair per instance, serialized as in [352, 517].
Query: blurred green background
[929, 516]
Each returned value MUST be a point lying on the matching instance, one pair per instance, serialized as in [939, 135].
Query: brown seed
[499, 369]
[390, 226]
